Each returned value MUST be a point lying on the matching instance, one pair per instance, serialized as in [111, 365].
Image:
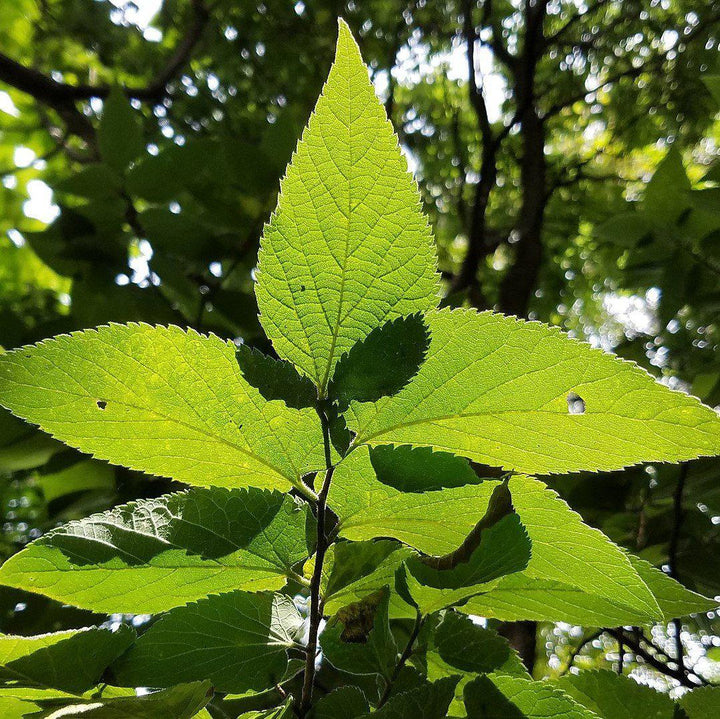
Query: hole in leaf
[302, 288]
[101, 404]
[576, 404]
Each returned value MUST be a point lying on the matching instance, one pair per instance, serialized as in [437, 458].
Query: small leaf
[71, 661]
[430, 701]
[163, 401]
[494, 389]
[344, 703]
[382, 363]
[120, 136]
[155, 554]
[353, 570]
[625, 230]
[668, 193]
[358, 639]
[238, 641]
[348, 247]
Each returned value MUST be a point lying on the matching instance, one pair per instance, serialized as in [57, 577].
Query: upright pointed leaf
[238, 641]
[430, 701]
[163, 401]
[155, 554]
[347, 248]
[524, 396]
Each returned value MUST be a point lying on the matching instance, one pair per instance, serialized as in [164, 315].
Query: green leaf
[180, 702]
[283, 712]
[276, 379]
[344, 703]
[435, 522]
[712, 82]
[71, 661]
[163, 401]
[612, 696]
[120, 137]
[382, 363]
[78, 477]
[521, 596]
[347, 248]
[701, 703]
[430, 701]
[625, 230]
[504, 548]
[358, 639]
[155, 554]
[238, 641]
[499, 391]
[353, 570]
[667, 193]
[96, 182]
[463, 645]
[500, 696]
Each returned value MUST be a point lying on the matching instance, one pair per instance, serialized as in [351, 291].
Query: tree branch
[60, 95]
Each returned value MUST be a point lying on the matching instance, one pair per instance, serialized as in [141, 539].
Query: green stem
[407, 653]
[316, 604]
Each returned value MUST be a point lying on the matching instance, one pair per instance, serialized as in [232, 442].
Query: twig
[407, 653]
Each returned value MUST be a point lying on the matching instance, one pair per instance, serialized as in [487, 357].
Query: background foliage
[568, 178]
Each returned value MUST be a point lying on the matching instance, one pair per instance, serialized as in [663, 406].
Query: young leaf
[358, 639]
[462, 645]
[347, 248]
[353, 570]
[612, 696]
[347, 702]
[71, 661]
[496, 390]
[430, 701]
[163, 401]
[501, 696]
[238, 641]
[155, 554]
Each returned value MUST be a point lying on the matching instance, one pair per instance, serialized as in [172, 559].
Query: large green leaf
[164, 401]
[71, 661]
[347, 702]
[524, 396]
[521, 596]
[238, 641]
[348, 247]
[155, 554]
[501, 696]
[612, 696]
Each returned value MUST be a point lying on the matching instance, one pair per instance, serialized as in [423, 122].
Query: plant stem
[316, 609]
[407, 653]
